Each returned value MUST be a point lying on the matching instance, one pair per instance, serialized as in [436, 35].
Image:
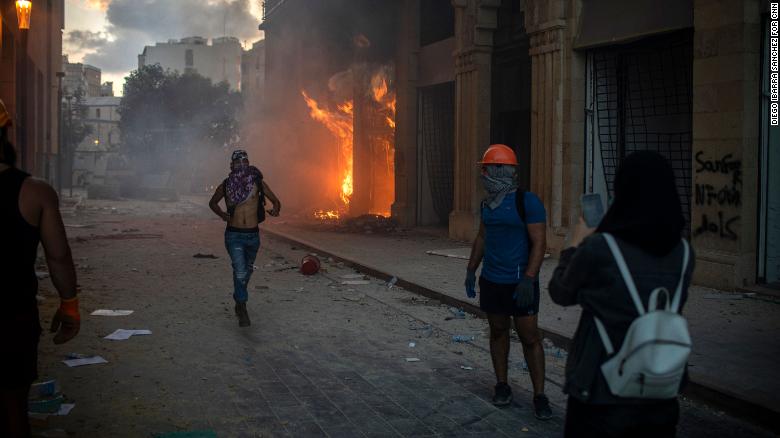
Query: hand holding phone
[592, 209]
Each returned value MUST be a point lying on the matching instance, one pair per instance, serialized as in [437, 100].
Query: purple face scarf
[242, 179]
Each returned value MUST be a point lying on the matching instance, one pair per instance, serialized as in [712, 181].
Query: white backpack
[651, 362]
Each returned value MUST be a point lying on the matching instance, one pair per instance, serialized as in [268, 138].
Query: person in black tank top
[22, 217]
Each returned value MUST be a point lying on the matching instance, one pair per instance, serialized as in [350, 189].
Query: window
[97, 113]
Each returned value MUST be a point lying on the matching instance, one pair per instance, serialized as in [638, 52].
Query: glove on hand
[524, 293]
[66, 321]
[471, 283]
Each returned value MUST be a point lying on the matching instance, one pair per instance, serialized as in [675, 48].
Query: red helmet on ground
[499, 154]
[310, 265]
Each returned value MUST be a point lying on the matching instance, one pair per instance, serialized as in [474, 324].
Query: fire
[382, 94]
[339, 123]
[327, 215]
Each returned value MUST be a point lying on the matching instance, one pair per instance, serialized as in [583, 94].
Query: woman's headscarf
[646, 210]
[242, 178]
[499, 181]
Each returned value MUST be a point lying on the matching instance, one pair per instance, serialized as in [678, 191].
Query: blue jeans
[242, 248]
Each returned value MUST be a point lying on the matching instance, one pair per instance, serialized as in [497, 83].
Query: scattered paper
[65, 408]
[123, 334]
[352, 276]
[463, 367]
[392, 282]
[355, 282]
[412, 345]
[84, 361]
[412, 359]
[107, 312]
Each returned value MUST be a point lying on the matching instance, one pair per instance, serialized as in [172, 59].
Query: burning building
[571, 91]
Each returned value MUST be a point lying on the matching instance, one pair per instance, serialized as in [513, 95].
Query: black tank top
[18, 247]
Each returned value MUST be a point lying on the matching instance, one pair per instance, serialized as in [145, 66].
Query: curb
[709, 394]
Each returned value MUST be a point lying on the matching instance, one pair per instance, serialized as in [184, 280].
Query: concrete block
[717, 125]
[715, 69]
[705, 98]
[705, 43]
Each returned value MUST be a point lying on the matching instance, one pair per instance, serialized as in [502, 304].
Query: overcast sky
[110, 34]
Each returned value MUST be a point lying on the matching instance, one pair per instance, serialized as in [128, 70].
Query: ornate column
[475, 21]
[405, 206]
[546, 26]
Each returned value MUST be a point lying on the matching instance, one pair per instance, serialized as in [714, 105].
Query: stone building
[79, 75]
[93, 154]
[574, 86]
[219, 61]
[253, 74]
[29, 84]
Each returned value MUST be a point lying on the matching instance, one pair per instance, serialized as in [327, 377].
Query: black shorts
[498, 299]
[20, 348]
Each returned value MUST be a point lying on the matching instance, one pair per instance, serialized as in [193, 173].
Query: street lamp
[23, 12]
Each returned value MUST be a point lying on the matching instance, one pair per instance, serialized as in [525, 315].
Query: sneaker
[243, 315]
[503, 395]
[542, 409]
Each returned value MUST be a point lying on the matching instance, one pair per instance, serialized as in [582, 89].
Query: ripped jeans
[242, 248]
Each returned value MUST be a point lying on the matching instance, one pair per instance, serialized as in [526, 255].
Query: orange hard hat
[499, 154]
[5, 118]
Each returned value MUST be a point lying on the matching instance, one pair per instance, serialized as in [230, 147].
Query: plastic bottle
[462, 338]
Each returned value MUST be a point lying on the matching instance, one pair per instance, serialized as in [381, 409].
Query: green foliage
[166, 116]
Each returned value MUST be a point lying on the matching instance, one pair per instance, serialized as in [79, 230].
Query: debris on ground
[353, 277]
[462, 338]
[204, 256]
[77, 360]
[41, 275]
[369, 224]
[412, 359]
[392, 282]
[355, 282]
[354, 298]
[454, 253]
[190, 434]
[412, 344]
[457, 313]
[261, 287]
[467, 368]
[123, 334]
[108, 312]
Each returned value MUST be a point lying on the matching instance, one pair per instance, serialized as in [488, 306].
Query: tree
[74, 126]
[170, 121]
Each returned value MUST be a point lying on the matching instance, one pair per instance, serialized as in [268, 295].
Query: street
[321, 358]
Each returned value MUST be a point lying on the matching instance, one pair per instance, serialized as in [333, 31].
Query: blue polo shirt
[506, 240]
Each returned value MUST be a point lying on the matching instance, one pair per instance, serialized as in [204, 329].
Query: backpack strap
[621, 262]
[604, 336]
[678, 293]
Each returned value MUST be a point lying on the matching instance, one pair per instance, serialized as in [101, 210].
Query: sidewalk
[735, 349]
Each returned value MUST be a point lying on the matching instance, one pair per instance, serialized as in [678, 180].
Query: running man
[244, 192]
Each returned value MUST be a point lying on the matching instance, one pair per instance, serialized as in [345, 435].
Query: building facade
[92, 157]
[574, 86]
[219, 61]
[29, 62]
[84, 76]
[253, 75]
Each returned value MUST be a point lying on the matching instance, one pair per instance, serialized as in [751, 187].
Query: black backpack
[260, 205]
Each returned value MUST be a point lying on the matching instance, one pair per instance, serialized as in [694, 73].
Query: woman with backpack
[628, 356]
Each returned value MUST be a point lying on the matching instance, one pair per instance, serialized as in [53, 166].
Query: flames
[340, 122]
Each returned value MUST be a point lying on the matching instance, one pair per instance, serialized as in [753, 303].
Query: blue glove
[471, 283]
[524, 293]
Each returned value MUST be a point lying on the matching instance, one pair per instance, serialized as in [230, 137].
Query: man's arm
[538, 236]
[274, 200]
[67, 321]
[477, 249]
[55, 242]
[214, 203]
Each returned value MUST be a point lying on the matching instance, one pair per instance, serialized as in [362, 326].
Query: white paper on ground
[84, 361]
[65, 408]
[412, 359]
[453, 253]
[123, 334]
[355, 282]
[107, 312]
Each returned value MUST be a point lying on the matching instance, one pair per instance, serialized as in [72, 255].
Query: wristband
[70, 307]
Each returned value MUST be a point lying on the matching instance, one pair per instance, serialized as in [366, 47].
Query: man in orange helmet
[512, 242]
[29, 214]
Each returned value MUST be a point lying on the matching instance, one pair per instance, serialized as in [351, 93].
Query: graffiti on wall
[720, 195]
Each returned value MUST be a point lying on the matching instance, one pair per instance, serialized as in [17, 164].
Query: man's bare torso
[245, 213]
